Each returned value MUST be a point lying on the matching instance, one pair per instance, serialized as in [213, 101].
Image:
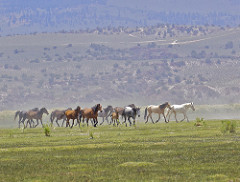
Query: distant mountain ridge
[23, 17]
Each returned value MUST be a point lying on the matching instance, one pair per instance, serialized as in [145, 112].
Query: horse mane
[95, 108]
[78, 108]
[132, 105]
[162, 106]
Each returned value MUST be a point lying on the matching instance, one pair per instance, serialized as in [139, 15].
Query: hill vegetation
[53, 16]
[141, 65]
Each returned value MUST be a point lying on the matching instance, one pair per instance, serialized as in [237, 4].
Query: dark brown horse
[58, 115]
[89, 113]
[72, 114]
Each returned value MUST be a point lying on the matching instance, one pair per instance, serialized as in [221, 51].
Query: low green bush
[228, 126]
[46, 129]
[199, 122]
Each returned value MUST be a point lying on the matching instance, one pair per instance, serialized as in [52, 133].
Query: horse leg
[169, 114]
[72, 122]
[78, 121]
[28, 121]
[87, 121]
[41, 122]
[96, 122]
[175, 114]
[184, 117]
[67, 123]
[63, 122]
[118, 122]
[19, 123]
[36, 124]
[151, 118]
[129, 121]
[158, 118]
[125, 119]
[57, 122]
[147, 119]
[165, 118]
[107, 120]
[102, 121]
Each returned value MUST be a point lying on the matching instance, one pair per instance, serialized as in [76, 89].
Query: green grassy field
[146, 152]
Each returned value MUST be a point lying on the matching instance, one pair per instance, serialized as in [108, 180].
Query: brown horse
[119, 110]
[31, 114]
[72, 114]
[115, 118]
[58, 114]
[91, 113]
[156, 109]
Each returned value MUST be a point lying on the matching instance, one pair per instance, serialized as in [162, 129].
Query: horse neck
[187, 106]
[95, 109]
[40, 113]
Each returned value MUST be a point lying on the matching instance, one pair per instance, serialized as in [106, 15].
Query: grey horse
[59, 114]
[105, 113]
[130, 112]
[21, 114]
[30, 115]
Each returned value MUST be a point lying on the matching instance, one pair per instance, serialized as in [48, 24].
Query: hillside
[24, 17]
[118, 66]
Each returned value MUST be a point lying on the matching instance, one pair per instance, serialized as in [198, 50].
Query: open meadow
[145, 152]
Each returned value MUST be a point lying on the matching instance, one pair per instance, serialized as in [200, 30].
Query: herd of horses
[84, 115]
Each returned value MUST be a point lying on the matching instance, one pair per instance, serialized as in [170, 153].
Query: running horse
[159, 109]
[130, 112]
[105, 113]
[20, 115]
[72, 114]
[31, 114]
[58, 115]
[89, 113]
[183, 108]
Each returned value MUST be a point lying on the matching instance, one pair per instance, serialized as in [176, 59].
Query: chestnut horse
[72, 114]
[91, 113]
[156, 109]
[115, 118]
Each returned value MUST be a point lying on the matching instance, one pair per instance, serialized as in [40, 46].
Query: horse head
[99, 107]
[192, 107]
[44, 110]
[78, 109]
[137, 109]
[168, 106]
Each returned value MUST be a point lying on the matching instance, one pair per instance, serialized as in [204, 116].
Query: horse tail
[16, 114]
[145, 113]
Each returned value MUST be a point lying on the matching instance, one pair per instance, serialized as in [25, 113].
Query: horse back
[88, 113]
[31, 114]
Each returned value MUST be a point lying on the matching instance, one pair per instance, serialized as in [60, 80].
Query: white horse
[180, 109]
